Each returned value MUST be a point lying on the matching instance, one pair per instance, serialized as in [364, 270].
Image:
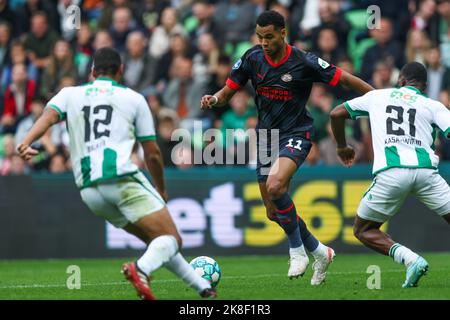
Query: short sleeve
[442, 119]
[144, 126]
[59, 103]
[358, 107]
[323, 71]
[240, 72]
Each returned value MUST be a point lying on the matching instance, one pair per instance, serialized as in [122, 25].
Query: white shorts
[123, 200]
[390, 188]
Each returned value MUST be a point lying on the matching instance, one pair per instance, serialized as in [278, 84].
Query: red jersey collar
[288, 53]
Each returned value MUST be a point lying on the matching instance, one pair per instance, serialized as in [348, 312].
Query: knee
[275, 188]
[271, 215]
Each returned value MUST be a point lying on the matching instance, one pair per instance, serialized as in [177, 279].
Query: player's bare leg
[158, 229]
[369, 233]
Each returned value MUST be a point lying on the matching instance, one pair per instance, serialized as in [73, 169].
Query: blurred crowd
[175, 51]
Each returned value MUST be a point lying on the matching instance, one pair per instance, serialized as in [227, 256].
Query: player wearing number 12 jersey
[282, 77]
[402, 122]
[104, 119]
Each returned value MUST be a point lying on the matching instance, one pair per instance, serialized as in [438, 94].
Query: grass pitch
[244, 277]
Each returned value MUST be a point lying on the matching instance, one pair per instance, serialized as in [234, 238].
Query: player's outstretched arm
[48, 118]
[338, 116]
[350, 81]
[219, 99]
[154, 162]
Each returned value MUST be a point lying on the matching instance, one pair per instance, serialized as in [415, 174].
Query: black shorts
[294, 146]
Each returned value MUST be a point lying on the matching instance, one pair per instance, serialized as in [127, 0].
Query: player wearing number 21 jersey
[403, 123]
[104, 120]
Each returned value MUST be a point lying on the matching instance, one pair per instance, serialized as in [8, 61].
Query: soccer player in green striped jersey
[403, 122]
[104, 120]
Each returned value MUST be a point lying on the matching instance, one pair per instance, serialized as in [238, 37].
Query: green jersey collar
[414, 89]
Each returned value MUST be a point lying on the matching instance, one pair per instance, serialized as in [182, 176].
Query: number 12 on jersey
[103, 118]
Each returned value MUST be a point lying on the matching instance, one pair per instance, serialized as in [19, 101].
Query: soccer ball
[207, 268]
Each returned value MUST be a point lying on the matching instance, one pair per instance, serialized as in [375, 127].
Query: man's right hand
[347, 155]
[208, 101]
[26, 152]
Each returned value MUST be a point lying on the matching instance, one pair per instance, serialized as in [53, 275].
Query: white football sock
[184, 270]
[320, 251]
[160, 250]
[402, 254]
[298, 251]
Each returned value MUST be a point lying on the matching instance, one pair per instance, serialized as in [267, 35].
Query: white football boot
[320, 267]
[298, 262]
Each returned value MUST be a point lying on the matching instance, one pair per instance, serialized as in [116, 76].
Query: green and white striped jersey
[403, 123]
[104, 119]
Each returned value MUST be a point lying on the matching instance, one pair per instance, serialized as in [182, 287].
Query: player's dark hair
[271, 17]
[106, 61]
[415, 73]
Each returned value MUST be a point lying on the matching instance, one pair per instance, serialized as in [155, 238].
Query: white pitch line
[116, 283]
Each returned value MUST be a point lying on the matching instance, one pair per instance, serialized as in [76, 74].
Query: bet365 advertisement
[217, 212]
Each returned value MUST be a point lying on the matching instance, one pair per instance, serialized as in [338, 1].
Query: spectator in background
[139, 65]
[9, 149]
[18, 166]
[331, 17]
[219, 77]
[61, 65]
[40, 41]
[45, 145]
[179, 47]
[183, 91]
[122, 25]
[102, 39]
[17, 56]
[107, 12]
[382, 75]
[425, 19]
[5, 41]
[6, 14]
[436, 73]
[83, 49]
[384, 49]
[160, 39]
[236, 119]
[327, 148]
[167, 123]
[149, 11]
[205, 61]
[319, 105]
[17, 98]
[237, 20]
[28, 9]
[203, 11]
[417, 44]
[327, 46]
[58, 163]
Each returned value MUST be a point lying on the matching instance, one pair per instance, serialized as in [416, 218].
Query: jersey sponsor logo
[237, 64]
[396, 94]
[323, 63]
[274, 93]
[286, 77]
